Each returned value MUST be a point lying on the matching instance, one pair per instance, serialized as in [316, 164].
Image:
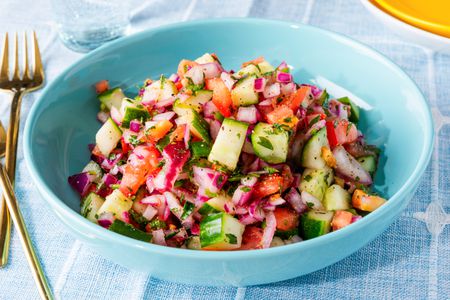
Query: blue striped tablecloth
[411, 260]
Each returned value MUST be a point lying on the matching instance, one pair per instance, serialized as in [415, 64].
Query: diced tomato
[101, 86]
[331, 134]
[267, 185]
[178, 134]
[366, 202]
[184, 66]
[252, 238]
[125, 146]
[142, 162]
[287, 219]
[221, 96]
[346, 132]
[288, 178]
[178, 85]
[159, 130]
[96, 151]
[282, 115]
[341, 219]
[255, 61]
[301, 96]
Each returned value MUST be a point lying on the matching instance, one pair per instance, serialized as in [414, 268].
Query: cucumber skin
[134, 113]
[272, 157]
[311, 227]
[128, 230]
[312, 151]
[112, 97]
[200, 149]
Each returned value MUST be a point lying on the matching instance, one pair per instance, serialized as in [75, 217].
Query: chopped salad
[211, 159]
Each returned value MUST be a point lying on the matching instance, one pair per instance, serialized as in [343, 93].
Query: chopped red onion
[105, 219]
[308, 198]
[283, 66]
[174, 204]
[249, 181]
[288, 88]
[211, 70]
[272, 90]
[297, 180]
[102, 116]
[80, 182]
[348, 166]
[267, 102]
[165, 103]
[175, 156]
[295, 200]
[195, 74]
[314, 128]
[164, 116]
[260, 84]
[195, 229]
[284, 77]
[269, 231]
[116, 116]
[174, 78]
[109, 179]
[158, 237]
[150, 212]
[247, 220]
[209, 109]
[248, 114]
[276, 201]
[214, 128]
[241, 195]
[227, 80]
[356, 218]
[180, 121]
[208, 180]
[153, 200]
[255, 210]
[135, 126]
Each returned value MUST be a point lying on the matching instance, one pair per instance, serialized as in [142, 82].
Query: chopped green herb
[157, 224]
[271, 170]
[307, 178]
[134, 140]
[188, 208]
[314, 121]
[265, 143]
[310, 205]
[161, 163]
[246, 189]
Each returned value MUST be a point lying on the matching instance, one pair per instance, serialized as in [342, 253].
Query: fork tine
[16, 74]
[26, 72]
[38, 70]
[4, 63]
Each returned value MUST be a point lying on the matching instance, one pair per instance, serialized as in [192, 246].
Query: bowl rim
[375, 10]
[76, 218]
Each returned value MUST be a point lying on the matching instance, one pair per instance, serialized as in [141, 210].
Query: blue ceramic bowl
[395, 116]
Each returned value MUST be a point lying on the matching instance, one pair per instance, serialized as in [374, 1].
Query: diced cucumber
[354, 109]
[316, 182]
[198, 126]
[94, 168]
[193, 243]
[132, 111]
[243, 94]
[315, 223]
[269, 143]
[160, 90]
[116, 203]
[221, 232]
[200, 149]
[265, 67]
[107, 137]
[215, 205]
[128, 230]
[249, 70]
[195, 102]
[112, 98]
[369, 163]
[312, 151]
[228, 145]
[336, 198]
[91, 205]
[205, 58]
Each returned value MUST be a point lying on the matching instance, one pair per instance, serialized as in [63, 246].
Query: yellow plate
[429, 15]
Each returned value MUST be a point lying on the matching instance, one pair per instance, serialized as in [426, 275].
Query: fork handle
[35, 266]
[10, 162]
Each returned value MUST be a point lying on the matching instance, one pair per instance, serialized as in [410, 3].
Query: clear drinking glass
[84, 25]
